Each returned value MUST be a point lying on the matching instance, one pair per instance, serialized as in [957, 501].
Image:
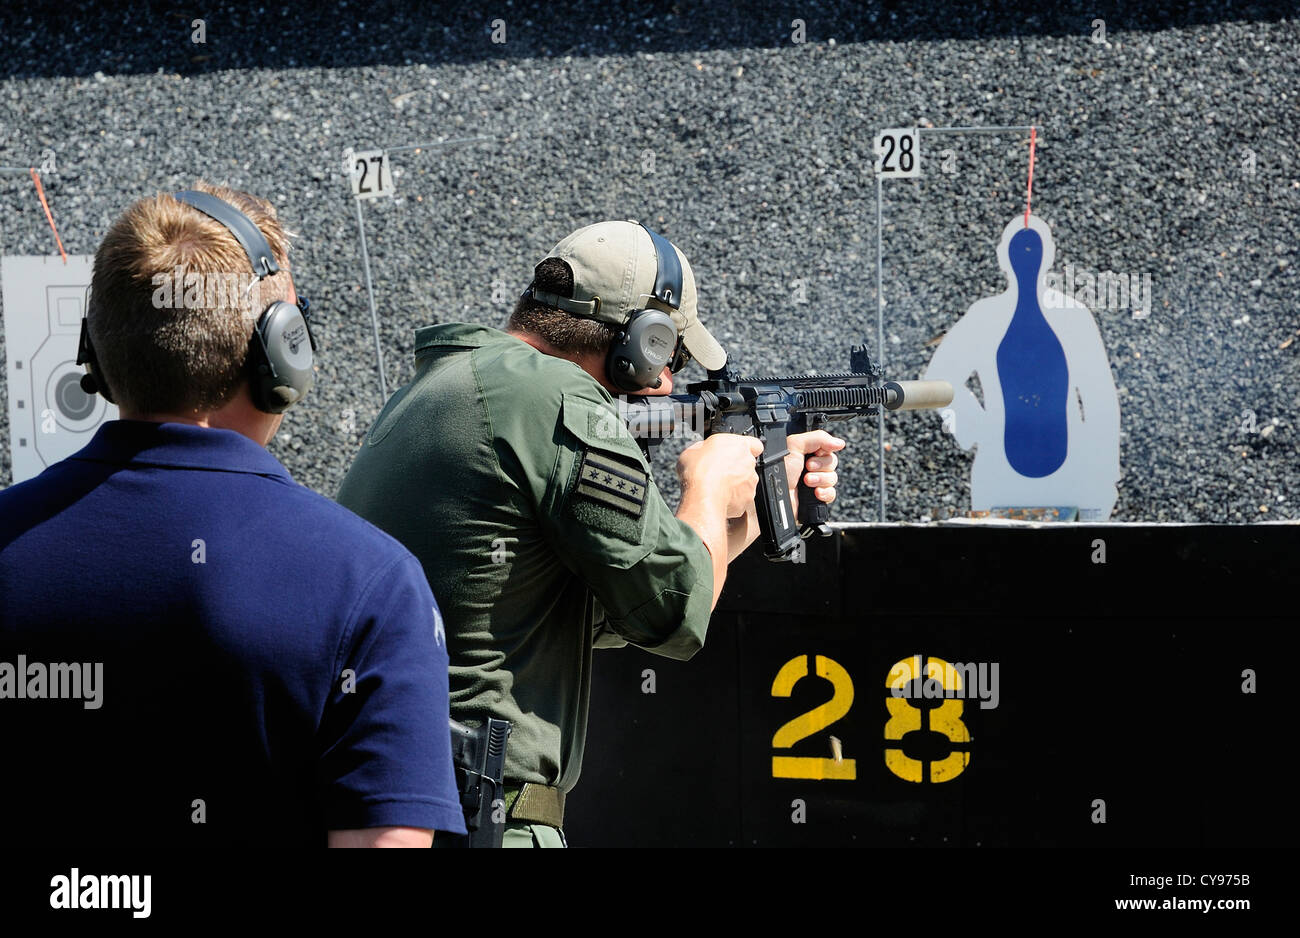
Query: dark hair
[563, 330]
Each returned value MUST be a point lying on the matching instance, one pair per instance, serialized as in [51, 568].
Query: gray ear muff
[647, 343]
[280, 356]
[639, 354]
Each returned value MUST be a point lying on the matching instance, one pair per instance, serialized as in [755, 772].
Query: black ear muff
[280, 358]
[668, 270]
[91, 381]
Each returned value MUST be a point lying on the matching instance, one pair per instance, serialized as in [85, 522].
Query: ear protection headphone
[648, 340]
[280, 351]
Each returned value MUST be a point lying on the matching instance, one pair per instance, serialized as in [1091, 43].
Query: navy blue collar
[179, 446]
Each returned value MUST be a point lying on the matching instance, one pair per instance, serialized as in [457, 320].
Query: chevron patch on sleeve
[611, 481]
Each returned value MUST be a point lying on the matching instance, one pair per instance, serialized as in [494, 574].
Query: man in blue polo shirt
[194, 649]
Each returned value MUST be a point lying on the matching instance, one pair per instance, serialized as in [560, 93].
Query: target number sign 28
[898, 153]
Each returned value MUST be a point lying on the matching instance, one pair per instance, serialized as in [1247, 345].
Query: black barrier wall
[1076, 685]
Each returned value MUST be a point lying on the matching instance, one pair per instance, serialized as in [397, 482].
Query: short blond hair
[179, 357]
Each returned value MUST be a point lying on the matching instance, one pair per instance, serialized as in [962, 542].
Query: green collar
[467, 335]
[464, 334]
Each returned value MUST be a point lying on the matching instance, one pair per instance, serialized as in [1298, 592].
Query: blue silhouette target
[1032, 371]
[1046, 434]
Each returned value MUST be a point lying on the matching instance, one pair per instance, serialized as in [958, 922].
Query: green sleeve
[605, 637]
[604, 515]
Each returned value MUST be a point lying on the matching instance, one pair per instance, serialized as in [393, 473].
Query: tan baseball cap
[614, 268]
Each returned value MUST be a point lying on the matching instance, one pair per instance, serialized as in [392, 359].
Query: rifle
[772, 408]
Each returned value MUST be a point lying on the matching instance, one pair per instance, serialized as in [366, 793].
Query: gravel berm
[1166, 146]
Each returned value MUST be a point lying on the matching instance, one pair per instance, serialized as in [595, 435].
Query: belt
[540, 804]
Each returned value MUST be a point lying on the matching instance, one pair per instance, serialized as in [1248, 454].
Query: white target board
[1047, 432]
[50, 417]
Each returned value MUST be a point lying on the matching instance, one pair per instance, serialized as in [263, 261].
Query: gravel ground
[762, 173]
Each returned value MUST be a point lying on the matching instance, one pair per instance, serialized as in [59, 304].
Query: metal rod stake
[438, 143]
[374, 316]
[973, 130]
[880, 339]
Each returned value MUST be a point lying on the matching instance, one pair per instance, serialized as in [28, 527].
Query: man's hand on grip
[818, 447]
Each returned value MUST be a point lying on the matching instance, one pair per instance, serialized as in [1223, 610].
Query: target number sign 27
[372, 178]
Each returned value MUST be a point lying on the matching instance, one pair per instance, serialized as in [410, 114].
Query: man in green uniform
[505, 468]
